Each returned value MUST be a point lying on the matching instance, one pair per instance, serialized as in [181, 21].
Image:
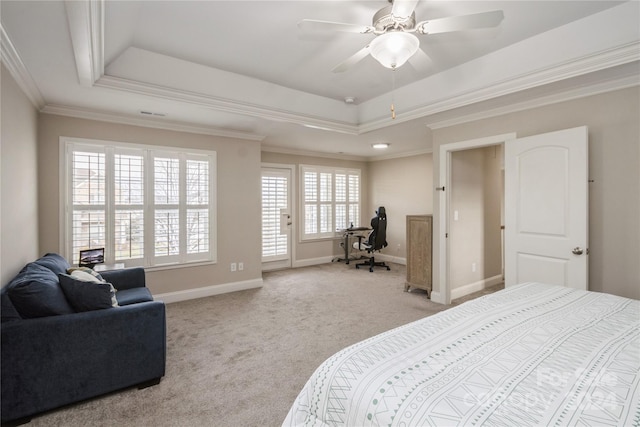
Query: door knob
[577, 250]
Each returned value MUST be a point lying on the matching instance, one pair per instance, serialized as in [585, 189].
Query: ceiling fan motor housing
[383, 20]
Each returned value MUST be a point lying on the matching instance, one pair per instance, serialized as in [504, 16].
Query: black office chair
[377, 239]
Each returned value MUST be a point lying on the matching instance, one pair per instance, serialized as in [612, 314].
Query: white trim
[608, 58]
[295, 152]
[149, 152]
[402, 155]
[222, 104]
[89, 114]
[277, 265]
[11, 59]
[390, 258]
[475, 287]
[568, 95]
[86, 28]
[313, 261]
[441, 220]
[207, 291]
[436, 297]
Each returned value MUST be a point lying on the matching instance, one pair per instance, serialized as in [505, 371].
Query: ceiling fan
[395, 27]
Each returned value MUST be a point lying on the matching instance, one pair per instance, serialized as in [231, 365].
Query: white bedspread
[532, 354]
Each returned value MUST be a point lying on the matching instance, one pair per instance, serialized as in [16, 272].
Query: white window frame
[319, 234]
[149, 153]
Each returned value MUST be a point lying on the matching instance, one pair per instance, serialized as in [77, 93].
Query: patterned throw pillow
[86, 270]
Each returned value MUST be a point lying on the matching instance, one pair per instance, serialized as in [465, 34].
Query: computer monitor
[91, 257]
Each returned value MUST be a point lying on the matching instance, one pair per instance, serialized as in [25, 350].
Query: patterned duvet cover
[532, 354]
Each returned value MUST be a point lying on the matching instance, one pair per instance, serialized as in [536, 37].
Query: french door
[277, 217]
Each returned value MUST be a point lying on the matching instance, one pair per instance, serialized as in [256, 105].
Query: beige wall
[404, 186]
[310, 252]
[614, 160]
[238, 196]
[475, 237]
[18, 180]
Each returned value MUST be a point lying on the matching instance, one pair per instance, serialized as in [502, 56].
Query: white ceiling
[244, 69]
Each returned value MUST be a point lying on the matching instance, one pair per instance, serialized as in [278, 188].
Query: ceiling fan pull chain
[393, 88]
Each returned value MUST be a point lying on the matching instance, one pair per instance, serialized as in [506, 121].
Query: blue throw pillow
[53, 262]
[36, 292]
[85, 295]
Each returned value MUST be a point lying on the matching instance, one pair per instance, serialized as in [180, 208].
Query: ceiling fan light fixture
[394, 48]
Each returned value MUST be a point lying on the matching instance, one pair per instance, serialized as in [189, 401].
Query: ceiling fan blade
[421, 61]
[403, 8]
[352, 60]
[314, 25]
[460, 23]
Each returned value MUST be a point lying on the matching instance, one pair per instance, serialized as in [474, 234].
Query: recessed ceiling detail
[110, 60]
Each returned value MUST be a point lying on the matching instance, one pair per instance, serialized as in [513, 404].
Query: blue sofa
[56, 350]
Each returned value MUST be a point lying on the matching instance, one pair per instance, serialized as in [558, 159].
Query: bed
[531, 354]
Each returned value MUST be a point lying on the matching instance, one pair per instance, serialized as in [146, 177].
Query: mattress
[531, 354]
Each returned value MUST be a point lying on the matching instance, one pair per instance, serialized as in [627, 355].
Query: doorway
[545, 214]
[277, 216]
[442, 266]
[475, 220]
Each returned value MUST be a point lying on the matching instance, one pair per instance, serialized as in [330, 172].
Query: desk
[348, 232]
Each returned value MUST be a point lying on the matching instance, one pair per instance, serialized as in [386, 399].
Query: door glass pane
[274, 198]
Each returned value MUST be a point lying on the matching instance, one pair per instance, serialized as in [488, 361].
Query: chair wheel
[371, 270]
[357, 267]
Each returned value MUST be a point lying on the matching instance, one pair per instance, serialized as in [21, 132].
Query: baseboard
[313, 261]
[389, 258]
[208, 291]
[436, 297]
[475, 287]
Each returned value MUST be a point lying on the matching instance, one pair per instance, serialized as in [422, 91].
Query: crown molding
[293, 152]
[587, 64]
[83, 113]
[568, 95]
[401, 155]
[11, 59]
[221, 104]
[86, 28]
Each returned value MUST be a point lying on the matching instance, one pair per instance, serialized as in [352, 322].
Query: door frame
[292, 206]
[443, 296]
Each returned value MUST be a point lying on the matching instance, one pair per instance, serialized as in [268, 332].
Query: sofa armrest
[126, 278]
[53, 361]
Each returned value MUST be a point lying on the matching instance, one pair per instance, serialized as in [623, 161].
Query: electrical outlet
[233, 266]
[241, 266]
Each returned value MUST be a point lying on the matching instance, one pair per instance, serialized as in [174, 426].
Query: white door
[546, 209]
[276, 218]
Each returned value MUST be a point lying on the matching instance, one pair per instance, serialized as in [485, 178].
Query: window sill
[178, 266]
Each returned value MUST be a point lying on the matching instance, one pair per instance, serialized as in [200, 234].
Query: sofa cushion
[8, 311]
[54, 262]
[87, 295]
[35, 292]
[133, 296]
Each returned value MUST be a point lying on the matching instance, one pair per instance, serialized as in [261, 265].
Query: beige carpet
[240, 359]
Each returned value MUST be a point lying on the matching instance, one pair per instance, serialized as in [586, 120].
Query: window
[145, 205]
[330, 200]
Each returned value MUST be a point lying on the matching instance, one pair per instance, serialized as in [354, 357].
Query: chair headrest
[381, 212]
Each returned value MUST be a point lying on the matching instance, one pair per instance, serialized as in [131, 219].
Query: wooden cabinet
[419, 246]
